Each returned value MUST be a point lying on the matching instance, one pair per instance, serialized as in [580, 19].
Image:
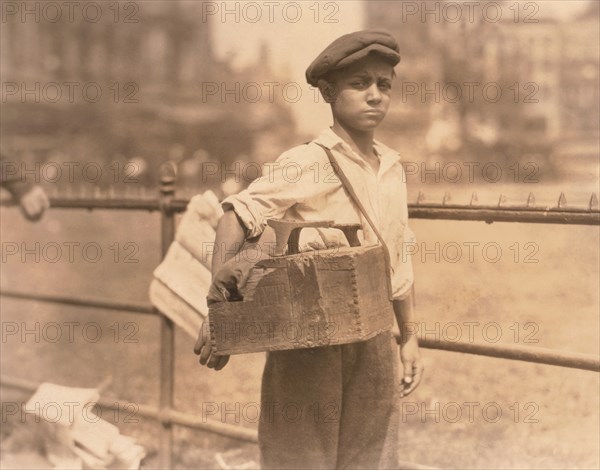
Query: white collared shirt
[302, 185]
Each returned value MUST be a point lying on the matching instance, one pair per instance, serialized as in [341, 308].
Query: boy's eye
[385, 86]
[359, 84]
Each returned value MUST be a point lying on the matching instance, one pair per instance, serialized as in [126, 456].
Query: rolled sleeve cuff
[409, 236]
[403, 280]
[402, 291]
[403, 277]
[253, 223]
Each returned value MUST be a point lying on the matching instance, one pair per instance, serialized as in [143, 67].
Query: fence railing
[168, 207]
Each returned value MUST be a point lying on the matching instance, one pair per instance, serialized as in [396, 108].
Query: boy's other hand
[203, 347]
[412, 363]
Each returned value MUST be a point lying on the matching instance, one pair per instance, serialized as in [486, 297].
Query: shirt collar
[332, 141]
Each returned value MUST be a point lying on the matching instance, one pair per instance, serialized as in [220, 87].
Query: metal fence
[168, 207]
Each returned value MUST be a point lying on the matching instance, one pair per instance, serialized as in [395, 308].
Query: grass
[550, 415]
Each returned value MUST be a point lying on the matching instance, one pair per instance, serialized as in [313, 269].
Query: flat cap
[351, 48]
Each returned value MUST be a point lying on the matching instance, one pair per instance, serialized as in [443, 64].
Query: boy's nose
[373, 93]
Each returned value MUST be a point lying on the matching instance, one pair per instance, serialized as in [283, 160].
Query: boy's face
[362, 94]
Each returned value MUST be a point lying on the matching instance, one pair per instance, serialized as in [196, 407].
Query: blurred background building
[155, 71]
[166, 94]
[546, 68]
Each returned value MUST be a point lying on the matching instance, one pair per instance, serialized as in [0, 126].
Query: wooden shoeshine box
[306, 300]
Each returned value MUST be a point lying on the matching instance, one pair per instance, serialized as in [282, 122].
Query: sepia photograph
[312, 234]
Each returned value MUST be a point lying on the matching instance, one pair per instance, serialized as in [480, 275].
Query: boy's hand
[412, 364]
[203, 347]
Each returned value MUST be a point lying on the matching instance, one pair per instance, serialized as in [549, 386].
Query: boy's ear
[328, 90]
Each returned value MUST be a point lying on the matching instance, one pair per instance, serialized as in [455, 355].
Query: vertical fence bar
[167, 329]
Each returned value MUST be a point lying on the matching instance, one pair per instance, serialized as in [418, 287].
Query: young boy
[336, 406]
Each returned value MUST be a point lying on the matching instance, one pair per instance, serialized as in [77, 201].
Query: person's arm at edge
[31, 198]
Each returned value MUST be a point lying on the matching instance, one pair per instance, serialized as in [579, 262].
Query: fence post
[168, 175]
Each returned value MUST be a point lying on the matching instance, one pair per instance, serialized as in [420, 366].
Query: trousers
[331, 407]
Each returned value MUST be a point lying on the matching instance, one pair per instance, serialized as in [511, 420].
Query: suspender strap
[350, 190]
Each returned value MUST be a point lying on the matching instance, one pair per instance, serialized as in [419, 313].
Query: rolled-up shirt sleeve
[409, 236]
[291, 179]
[403, 275]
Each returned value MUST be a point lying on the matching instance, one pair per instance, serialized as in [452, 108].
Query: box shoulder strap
[350, 190]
